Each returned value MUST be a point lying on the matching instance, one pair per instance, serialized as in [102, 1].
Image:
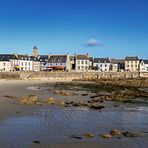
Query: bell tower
[35, 51]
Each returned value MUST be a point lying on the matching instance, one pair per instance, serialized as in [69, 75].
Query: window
[29, 63]
[25, 63]
[78, 67]
[101, 65]
[4, 64]
[78, 62]
[82, 62]
[85, 62]
[22, 64]
[105, 65]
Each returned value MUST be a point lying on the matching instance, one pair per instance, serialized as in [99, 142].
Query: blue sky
[103, 28]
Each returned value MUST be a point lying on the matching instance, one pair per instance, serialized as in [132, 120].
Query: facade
[25, 63]
[132, 64]
[117, 65]
[43, 61]
[90, 63]
[72, 61]
[35, 63]
[102, 64]
[143, 65]
[82, 62]
[14, 61]
[5, 64]
[59, 62]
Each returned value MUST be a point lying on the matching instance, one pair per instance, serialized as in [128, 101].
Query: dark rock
[38, 142]
[84, 94]
[97, 107]
[129, 134]
[76, 137]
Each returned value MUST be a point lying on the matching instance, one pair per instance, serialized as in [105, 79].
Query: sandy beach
[53, 126]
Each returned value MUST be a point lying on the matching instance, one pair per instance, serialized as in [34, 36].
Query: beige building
[82, 62]
[5, 64]
[132, 64]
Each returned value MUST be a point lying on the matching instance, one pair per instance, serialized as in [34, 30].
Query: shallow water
[51, 124]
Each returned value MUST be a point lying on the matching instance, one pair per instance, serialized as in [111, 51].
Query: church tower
[35, 52]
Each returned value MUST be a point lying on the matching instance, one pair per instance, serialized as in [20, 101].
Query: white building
[82, 62]
[132, 64]
[5, 64]
[25, 63]
[144, 66]
[102, 64]
[59, 62]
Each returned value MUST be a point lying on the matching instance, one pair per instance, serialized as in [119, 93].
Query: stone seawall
[68, 76]
[10, 75]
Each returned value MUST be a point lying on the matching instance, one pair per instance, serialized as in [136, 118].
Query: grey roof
[43, 58]
[117, 61]
[57, 59]
[34, 58]
[24, 57]
[81, 57]
[145, 61]
[101, 60]
[7, 57]
[131, 58]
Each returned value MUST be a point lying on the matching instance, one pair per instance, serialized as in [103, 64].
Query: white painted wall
[82, 65]
[102, 66]
[5, 66]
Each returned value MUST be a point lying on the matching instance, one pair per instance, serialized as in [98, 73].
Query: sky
[102, 28]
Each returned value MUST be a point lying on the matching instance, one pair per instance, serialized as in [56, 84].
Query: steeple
[35, 51]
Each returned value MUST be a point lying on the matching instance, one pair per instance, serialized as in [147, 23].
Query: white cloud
[93, 42]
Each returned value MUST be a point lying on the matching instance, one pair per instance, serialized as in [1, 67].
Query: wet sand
[53, 126]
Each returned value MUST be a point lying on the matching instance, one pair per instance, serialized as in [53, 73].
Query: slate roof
[101, 60]
[7, 57]
[132, 58]
[81, 57]
[145, 61]
[43, 58]
[57, 59]
[24, 57]
[117, 61]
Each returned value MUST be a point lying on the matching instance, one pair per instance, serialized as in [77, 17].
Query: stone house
[5, 64]
[132, 64]
[117, 65]
[59, 62]
[82, 62]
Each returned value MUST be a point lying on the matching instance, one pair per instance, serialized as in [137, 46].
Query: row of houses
[50, 62]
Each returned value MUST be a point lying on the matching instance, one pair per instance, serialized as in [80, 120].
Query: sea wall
[10, 75]
[65, 76]
[84, 75]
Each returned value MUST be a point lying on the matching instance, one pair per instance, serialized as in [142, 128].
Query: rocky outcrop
[30, 100]
[63, 93]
